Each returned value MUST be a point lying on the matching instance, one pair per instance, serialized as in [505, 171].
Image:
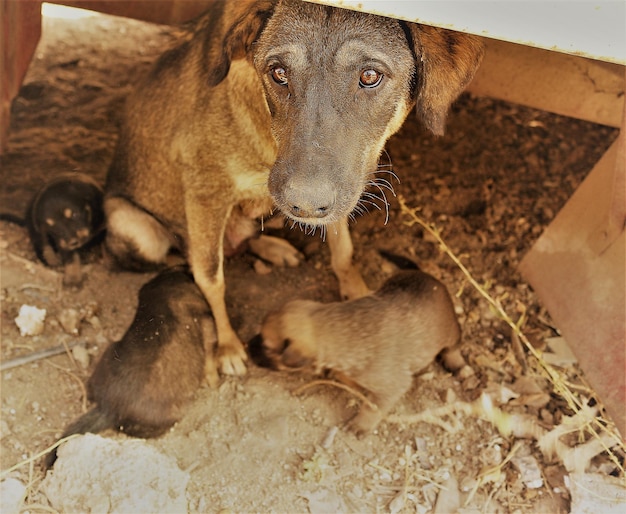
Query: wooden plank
[155, 11]
[20, 22]
[578, 268]
[563, 84]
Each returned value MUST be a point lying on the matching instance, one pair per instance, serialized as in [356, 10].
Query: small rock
[471, 383]
[560, 354]
[94, 321]
[592, 493]
[30, 320]
[449, 497]
[95, 474]
[466, 372]
[12, 494]
[5, 430]
[81, 355]
[70, 320]
[529, 470]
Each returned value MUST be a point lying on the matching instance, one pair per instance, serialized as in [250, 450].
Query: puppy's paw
[364, 422]
[232, 359]
[210, 372]
[72, 272]
[275, 250]
[50, 257]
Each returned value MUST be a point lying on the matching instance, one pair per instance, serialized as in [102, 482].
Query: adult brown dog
[267, 103]
[377, 342]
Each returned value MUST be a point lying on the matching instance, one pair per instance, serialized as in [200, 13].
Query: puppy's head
[287, 338]
[68, 222]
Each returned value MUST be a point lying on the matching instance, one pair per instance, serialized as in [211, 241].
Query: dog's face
[338, 84]
[287, 340]
[68, 222]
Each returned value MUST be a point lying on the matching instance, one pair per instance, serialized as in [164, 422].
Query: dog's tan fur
[211, 140]
[378, 341]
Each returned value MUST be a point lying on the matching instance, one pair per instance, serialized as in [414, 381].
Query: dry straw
[602, 429]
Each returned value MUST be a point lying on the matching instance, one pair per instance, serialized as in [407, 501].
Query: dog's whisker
[382, 197]
[388, 172]
[387, 169]
[369, 202]
[358, 209]
[384, 183]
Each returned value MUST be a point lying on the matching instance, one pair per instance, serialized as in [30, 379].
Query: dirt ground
[491, 184]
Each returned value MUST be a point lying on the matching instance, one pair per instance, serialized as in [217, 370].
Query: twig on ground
[351, 390]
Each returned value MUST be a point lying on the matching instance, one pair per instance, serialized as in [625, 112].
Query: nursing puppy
[377, 342]
[269, 104]
[142, 382]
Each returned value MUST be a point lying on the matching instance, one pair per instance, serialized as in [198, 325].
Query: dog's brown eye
[279, 75]
[370, 78]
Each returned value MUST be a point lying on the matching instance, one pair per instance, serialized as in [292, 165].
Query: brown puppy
[378, 341]
[142, 382]
[271, 102]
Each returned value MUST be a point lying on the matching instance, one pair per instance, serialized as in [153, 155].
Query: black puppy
[64, 215]
[142, 382]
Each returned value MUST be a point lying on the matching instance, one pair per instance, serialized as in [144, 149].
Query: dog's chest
[249, 181]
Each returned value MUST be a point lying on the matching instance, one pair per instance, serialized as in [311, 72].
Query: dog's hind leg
[351, 283]
[135, 238]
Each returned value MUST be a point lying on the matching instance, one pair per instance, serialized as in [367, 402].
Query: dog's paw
[211, 375]
[232, 359]
[352, 286]
[275, 250]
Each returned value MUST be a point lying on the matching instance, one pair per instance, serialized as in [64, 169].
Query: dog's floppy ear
[242, 29]
[446, 63]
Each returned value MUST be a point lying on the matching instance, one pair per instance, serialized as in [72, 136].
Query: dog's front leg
[351, 284]
[206, 257]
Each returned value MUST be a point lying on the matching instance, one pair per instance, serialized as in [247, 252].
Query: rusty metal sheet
[578, 268]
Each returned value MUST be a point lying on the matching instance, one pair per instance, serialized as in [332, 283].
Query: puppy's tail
[401, 262]
[93, 421]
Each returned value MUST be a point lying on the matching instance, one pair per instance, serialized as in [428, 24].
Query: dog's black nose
[310, 202]
[300, 212]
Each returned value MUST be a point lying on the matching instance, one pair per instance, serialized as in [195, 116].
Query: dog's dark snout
[303, 212]
[309, 202]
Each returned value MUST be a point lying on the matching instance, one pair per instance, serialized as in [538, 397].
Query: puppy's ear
[446, 63]
[241, 31]
[293, 358]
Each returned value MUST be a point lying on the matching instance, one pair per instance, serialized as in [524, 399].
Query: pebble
[12, 494]
[4, 429]
[70, 320]
[81, 355]
[30, 320]
[530, 472]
